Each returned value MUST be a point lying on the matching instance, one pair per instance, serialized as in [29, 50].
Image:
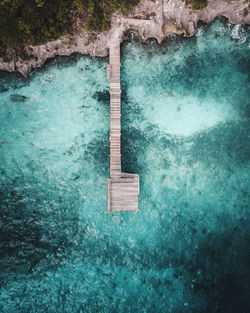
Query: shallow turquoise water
[185, 132]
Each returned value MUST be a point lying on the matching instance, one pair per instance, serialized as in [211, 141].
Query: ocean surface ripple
[185, 131]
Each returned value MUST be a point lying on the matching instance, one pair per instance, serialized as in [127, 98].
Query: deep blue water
[185, 131]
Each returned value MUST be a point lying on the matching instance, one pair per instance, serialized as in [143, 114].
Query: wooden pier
[122, 188]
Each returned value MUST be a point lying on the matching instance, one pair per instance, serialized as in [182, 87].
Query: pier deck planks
[122, 188]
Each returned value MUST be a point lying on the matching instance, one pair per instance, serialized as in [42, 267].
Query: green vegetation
[245, 12]
[198, 4]
[34, 22]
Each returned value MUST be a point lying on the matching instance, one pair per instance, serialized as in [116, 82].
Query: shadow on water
[98, 150]
[18, 98]
[16, 80]
[102, 96]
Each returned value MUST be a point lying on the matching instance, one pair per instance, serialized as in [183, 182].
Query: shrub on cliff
[198, 4]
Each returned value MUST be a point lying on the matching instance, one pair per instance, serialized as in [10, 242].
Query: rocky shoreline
[149, 19]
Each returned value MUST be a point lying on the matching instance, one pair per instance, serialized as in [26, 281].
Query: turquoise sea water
[185, 131]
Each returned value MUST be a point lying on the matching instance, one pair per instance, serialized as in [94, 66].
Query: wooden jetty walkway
[122, 188]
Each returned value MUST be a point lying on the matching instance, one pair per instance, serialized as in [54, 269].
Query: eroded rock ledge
[149, 19]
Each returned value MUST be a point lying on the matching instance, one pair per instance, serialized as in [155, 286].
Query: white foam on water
[199, 32]
[238, 33]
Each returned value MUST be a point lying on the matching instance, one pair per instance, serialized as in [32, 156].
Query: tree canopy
[34, 22]
[198, 4]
